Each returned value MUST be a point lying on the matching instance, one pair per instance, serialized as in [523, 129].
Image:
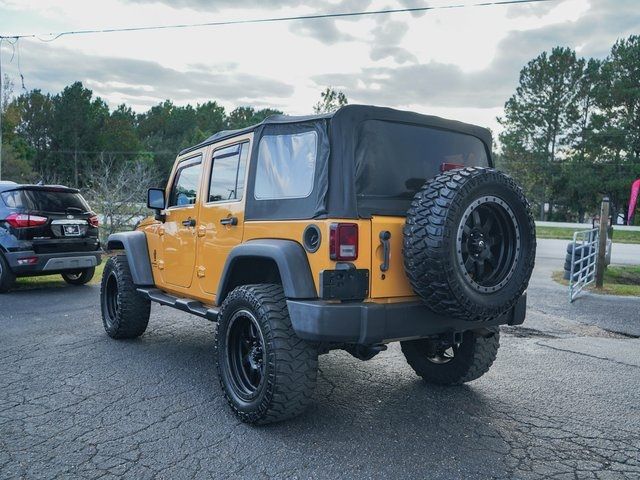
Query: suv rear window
[394, 160]
[44, 200]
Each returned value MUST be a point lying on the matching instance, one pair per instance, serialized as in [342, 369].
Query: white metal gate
[583, 261]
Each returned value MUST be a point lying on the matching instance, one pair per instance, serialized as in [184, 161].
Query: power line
[317, 16]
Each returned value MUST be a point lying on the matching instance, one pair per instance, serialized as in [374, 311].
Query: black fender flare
[134, 245]
[288, 255]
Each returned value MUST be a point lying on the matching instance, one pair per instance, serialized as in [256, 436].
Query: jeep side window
[186, 183]
[227, 173]
[286, 166]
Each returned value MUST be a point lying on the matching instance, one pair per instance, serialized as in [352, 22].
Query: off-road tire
[432, 245]
[125, 313]
[291, 364]
[471, 359]
[7, 277]
[80, 277]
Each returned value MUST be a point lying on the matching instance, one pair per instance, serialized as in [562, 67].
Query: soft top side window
[286, 166]
[227, 173]
[186, 183]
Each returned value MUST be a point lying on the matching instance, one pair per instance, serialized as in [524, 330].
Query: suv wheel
[469, 243]
[267, 373]
[7, 277]
[79, 277]
[445, 364]
[125, 313]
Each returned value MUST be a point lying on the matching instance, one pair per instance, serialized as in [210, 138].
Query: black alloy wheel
[488, 244]
[125, 312]
[112, 305]
[267, 373]
[469, 243]
[245, 355]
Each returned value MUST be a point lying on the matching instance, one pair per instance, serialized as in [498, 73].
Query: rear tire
[469, 243]
[79, 277]
[125, 313]
[267, 373]
[455, 365]
[7, 277]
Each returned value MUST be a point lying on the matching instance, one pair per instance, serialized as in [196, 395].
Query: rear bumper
[371, 323]
[50, 263]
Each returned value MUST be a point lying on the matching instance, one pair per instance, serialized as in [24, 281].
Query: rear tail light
[23, 220]
[28, 261]
[445, 167]
[94, 221]
[343, 241]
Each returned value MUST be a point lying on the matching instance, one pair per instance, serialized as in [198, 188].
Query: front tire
[267, 373]
[79, 277]
[7, 277]
[125, 313]
[453, 365]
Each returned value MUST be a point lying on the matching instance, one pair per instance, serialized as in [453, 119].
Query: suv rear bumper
[50, 263]
[370, 323]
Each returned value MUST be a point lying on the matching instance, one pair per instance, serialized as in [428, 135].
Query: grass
[618, 280]
[564, 233]
[52, 281]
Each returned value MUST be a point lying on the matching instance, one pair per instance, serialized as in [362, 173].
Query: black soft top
[341, 158]
[352, 114]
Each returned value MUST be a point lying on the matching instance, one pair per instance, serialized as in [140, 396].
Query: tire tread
[291, 389]
[134, 308]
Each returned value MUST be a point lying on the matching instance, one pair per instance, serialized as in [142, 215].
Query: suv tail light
[94, 221]
[445, 167]
[23, 220]
[343, 241]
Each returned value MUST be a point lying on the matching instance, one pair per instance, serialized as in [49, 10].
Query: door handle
[385, 235]
[229, 221]
[189, 222]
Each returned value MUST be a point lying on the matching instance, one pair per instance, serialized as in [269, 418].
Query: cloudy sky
[457, 63]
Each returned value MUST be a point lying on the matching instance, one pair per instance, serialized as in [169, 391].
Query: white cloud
[460, 63]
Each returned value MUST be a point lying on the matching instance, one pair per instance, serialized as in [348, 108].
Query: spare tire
[469, 243]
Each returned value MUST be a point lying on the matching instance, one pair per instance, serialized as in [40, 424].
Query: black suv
[44, 230]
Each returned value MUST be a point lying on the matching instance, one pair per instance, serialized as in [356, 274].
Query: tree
[77, 121]
[541, 120]
[210, 118]
[243, 117]
[15, 167]
[164, 130]
[615, 127]
[118, 191]
[330, 101]
[35, 113]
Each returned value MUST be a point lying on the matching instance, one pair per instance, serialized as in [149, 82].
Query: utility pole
[602, 242]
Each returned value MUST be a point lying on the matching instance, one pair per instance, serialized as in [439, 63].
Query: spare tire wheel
[469, 243]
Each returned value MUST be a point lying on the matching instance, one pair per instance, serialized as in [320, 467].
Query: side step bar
[185, 304]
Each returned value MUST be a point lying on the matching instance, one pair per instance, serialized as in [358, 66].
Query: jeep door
[178, 233]
[221, 219]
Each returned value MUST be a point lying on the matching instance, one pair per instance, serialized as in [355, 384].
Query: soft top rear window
[45, 201]
[394, 160]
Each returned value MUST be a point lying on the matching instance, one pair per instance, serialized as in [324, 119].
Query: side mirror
[155, 201]
[155, 198]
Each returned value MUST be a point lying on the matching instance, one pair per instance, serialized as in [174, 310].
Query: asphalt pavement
[561, 400]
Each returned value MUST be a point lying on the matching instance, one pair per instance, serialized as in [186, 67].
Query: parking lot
[561, 401]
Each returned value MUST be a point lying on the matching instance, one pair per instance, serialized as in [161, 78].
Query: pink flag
[635, 191]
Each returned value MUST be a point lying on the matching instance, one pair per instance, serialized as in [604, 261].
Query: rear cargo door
[58, 218]
[387, 270]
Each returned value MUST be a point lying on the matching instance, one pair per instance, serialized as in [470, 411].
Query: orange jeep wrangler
[349, 230]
